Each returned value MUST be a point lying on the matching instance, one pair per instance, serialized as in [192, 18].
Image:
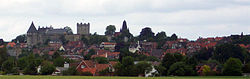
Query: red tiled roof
[101, 67]
[11, 44]
[108, 43]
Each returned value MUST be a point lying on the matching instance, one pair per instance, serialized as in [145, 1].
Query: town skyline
[188, 19]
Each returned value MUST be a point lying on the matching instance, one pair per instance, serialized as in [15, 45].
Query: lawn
[101, 77]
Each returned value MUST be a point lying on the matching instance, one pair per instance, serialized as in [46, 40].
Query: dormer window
[82, 66]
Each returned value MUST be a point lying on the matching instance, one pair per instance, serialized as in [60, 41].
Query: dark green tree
[180, 69]
[110, 30]
[170, 59]
[58, 62]
[47, 68]
[146, 34]
[20, 39]
[142, 67]
[3, 55]
[160, 38]
[232, 67]
[9, 65]
[225, 51]
[101, 60]
[173, 37]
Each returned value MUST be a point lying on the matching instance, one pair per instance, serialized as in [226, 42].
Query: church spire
[124, 26]
[32, 28]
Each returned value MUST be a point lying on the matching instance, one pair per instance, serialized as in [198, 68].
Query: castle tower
[83, 29]
[32, 35]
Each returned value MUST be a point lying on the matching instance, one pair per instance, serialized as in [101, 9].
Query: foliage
[3, 55]
[232, 67]
[173, 37]
[59, 61]
[31, 63]
[160, 38]
[71, 71]
[126, 68]
[20, 39]
[86, 74]
[90, 53]
[170, 59]
[110, 30]
[47, 68]
[9, 65]
[146, 34]
[101, 60]
[246, 68]
[180, 69]
[204, 54]
[142, 67]
[225, 51]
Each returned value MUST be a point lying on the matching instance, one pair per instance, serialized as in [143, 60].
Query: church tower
[32, 35]
[124, 27]
[83, 29]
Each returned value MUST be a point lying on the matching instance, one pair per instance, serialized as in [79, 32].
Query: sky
[187, 18]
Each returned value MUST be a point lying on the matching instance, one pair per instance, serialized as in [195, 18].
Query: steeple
[32, 28]
[124, 26]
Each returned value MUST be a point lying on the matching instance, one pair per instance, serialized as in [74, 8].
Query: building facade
[46, 34]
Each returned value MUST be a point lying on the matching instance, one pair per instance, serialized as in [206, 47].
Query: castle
[44, 34]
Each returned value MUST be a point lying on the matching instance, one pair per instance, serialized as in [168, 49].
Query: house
[182, 51]
[94, 67]
[193, 47]
[108, 45]
[11, 44]
[134, 47]
[59, 70]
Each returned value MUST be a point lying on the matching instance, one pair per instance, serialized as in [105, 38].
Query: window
[82, 66]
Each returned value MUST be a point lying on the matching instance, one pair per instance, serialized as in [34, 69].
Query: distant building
[44, 34]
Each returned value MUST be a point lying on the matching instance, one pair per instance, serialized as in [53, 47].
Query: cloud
[186, 18]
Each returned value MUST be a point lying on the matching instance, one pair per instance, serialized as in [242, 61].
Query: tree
[142, 67]
[9, 65]
[126, 68]
[90, 53]
[180, 69]
[232, 67]
[207, 70]
[47, 68]
[71, 71]
[31, 64]
[20, 39]
[97, 39]
[170, 59]
[3, 55]
[69, 30]
[246, 68]
[173, 37]
[160, 38]
[146, 34]
[110, 30]
[101, 60]
[225, 51]
[59, 61]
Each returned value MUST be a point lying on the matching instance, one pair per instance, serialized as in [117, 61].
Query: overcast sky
[187, 18]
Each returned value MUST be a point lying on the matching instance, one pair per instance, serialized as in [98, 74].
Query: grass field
[89, 77]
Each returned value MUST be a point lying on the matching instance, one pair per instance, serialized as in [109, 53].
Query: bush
[232, 67]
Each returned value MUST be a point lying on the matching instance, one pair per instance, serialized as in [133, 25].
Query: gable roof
[32, 28]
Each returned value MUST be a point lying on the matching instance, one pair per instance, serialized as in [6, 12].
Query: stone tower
[32, 35]
[83, 29]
